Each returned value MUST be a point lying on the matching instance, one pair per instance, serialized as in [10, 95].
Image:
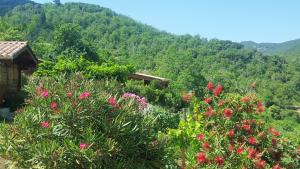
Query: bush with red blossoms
[77, 123]
[228, 133]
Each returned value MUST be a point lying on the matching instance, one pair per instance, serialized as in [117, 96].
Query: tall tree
[57, 2]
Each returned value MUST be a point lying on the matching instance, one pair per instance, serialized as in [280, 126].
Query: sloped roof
[10, 49]
[17, 52]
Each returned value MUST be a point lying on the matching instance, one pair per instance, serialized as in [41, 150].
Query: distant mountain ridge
[288, 48]
[6, 5]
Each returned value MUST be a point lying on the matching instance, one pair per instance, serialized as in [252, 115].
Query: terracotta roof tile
[8, 49]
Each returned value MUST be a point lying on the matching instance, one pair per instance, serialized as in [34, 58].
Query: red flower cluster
[245, 99]
[245, 138]
[201, 158]
[240, 150]
[219, 160]
[210, 86]
[246, 127]
[210, 112]
[260, 107]
[200, 137]
[252, 153]
[260, 164]
[231, 147]
[186, 98]
[227, 113]
[230, 133]
[277, 166]
[206, 146]
[252, 140]
[218, 90]
[207, 100]
[274, 132]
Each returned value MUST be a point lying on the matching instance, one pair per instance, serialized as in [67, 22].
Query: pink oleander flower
[69, 94]
[84, 95]
[45, 124]
[45, 93]
[143, 104]
[112, 101]
[83, 146]
[54, 105]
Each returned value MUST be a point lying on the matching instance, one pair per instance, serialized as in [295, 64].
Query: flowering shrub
[224, 131]
[78, 123]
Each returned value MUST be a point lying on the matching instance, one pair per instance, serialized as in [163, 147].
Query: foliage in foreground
[224, 131]
[79, 123]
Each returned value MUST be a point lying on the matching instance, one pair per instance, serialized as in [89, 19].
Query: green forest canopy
[184, 59]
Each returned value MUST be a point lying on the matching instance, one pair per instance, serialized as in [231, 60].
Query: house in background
[15, 57]
[149, 78]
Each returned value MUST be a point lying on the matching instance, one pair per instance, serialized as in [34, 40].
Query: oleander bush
[72, 122]
[225, 131]
[157, 94]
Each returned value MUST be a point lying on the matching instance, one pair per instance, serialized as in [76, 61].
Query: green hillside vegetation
[6, 5]
[289, 49]
[82, 111]
[120, 39]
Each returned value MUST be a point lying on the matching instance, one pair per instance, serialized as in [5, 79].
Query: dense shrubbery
[287, 121]
[78, 123]
[157, 94]
[224, 131]
[88, 68]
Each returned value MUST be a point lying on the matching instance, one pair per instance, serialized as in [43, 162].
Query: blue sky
[236, 20]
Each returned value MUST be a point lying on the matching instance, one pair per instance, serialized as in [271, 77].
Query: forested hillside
[6, 5]
[223, 108]
[186, 60]
[289, 49]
